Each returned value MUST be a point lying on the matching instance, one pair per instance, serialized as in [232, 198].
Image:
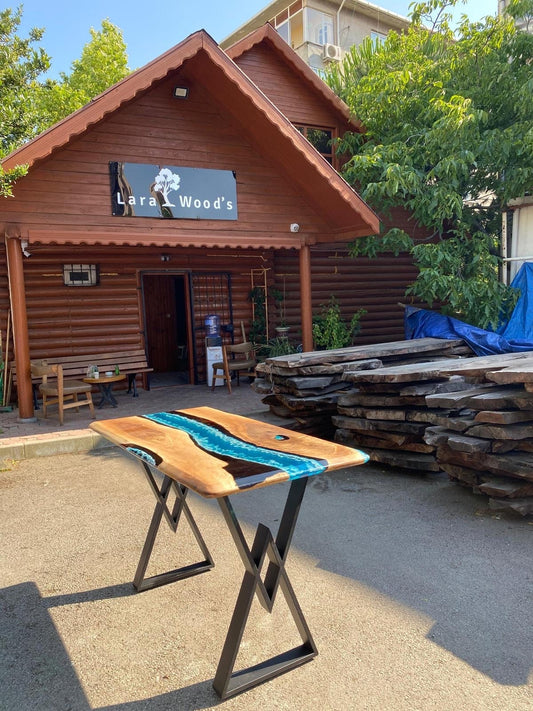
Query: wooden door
[161, 321]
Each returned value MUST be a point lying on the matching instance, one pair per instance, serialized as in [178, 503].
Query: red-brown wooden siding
[87, 320]
[286, 89]
[376, 285]
[71, 189]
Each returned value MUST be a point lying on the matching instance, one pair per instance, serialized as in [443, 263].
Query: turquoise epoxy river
[213, 440]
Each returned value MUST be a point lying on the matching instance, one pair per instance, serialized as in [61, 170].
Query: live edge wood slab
[218, 454]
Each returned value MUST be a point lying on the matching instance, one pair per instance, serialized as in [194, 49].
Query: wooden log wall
[85, 320]
[377, 285]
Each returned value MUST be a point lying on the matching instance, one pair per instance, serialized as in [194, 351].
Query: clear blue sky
[150, 27]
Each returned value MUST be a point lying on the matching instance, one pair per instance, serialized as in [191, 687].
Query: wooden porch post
[305, 298]
[17, 297]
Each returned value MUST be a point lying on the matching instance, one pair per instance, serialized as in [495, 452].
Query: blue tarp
[520, 325]
[514, 336]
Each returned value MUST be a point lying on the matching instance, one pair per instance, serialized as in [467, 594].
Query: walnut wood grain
[176, 454]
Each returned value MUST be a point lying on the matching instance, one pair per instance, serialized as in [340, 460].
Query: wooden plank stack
[420, 406]
[306, 387]
[450, 416]
[492, 450]
[387, 413]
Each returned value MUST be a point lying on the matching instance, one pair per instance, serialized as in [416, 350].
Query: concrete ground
[417, 595]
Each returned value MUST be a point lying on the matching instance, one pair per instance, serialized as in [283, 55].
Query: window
[377, 37]
[298, 25]
[319, 27]
[321, 139]
[289, 24]
[81, 274]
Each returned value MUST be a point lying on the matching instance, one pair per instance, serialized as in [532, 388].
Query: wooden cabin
[160, 203]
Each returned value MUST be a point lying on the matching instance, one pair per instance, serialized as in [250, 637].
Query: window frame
[282, 23]
[331, 156]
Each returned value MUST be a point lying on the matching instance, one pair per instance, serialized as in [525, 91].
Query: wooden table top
[105, 379]
[216, 453]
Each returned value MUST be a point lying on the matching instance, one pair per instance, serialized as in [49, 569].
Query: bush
[331, 331]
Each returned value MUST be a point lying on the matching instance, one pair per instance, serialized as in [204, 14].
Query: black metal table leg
[107, 395]
[173, 517]
[227, 682]
[132, 384]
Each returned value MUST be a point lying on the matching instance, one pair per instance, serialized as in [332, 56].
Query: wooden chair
[239, 359]
[60, 392]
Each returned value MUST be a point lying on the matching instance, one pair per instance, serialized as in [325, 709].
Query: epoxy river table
[216, 455]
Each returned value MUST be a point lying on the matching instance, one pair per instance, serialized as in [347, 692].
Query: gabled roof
[271, 132]
[268, 35]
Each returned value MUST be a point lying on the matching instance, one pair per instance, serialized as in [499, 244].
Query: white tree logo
[165, 181]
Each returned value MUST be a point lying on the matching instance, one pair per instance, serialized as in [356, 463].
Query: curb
[45, 445]
[72, 442]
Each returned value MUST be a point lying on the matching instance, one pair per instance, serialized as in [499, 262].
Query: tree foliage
[103, 62]
[29, 104]
[449, 136]
[21, 63]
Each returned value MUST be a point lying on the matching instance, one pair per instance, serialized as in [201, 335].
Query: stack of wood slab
[449, 415]
[490, 448]
[306, 387]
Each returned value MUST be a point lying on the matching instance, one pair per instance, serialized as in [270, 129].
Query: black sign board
[141, 190]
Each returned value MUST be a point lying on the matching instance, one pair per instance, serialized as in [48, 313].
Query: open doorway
[167, 326]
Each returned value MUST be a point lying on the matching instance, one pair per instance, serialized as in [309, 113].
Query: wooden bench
[130, 363]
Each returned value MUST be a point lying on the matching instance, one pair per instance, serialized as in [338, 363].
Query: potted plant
[279, 300]
[278, 346]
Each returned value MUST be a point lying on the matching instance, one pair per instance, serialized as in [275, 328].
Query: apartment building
[321, 31]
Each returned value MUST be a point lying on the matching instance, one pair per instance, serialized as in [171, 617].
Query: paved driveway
[417, 595]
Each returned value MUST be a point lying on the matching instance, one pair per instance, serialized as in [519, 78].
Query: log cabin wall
[63, 206]
[65, 320]
[376, 285]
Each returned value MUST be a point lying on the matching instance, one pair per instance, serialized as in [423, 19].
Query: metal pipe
[518, 259]
[338, 43]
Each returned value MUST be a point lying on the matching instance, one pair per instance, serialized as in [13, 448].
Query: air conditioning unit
[331, 53]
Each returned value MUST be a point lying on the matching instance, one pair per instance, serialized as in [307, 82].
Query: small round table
[105, 385]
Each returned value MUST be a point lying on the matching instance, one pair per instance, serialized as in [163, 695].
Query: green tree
[449, 136]
[29, 105]
[103, 62]
[21, 63]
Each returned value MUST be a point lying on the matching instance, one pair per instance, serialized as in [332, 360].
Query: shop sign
[141, 190]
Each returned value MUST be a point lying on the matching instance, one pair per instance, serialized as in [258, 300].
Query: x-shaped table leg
[173, 517]
[227, 682]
